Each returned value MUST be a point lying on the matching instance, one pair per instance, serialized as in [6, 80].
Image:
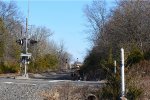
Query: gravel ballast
[13, 89]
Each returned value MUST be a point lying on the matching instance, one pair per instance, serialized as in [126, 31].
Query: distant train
[75, 71]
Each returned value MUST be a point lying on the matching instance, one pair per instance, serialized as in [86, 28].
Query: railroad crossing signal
[22, 41]
[25, 57]
[33, 41]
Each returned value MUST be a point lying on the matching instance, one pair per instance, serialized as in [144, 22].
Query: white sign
[27, 55]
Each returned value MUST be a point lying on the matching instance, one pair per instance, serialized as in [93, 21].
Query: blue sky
[65, 18]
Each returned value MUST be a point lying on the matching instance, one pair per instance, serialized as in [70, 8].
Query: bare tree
[96, 15]
[11, 19]
[128, 25]
[63, 56]
[40, 34]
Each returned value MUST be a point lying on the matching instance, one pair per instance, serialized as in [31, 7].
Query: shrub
[147, 55]
[42, 64]
[9, 68]
[135, 57]
[133, 93]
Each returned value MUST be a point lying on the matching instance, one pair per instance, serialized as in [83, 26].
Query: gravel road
[41, 88]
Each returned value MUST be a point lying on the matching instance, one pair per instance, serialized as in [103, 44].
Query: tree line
[126, 25]
[46, 54]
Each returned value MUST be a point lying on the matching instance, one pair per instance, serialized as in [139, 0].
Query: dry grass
[67, 91]
[140, 74]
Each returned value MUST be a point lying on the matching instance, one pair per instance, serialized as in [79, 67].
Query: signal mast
[25, 56]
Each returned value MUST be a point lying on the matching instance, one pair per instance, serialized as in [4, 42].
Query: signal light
[33, 41]
[20, 41]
